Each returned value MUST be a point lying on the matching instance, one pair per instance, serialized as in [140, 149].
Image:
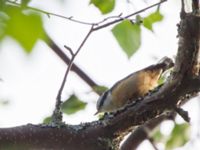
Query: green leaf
[24, 2]
[128, 36]
[3, 24]
[72, 105]
[151, 19]
[47, 120]
[161, 80]
[158, 136]
[4, 102]
[179, 136]
[24, 28]
[100, 89]
[105, 6]
[2, 4]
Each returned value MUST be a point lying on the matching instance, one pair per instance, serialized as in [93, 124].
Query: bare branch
[97, 24]
[183, 114]
[128, 16]
[50, 13]
[110, 17]
[151, 140]
[69, 49]
[57, 115]
[74, 67]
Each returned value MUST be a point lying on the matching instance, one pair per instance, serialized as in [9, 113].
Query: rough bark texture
[107, 133]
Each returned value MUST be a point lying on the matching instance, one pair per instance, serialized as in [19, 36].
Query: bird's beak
[96, 113]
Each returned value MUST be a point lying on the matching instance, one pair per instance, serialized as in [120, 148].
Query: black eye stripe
[103, 98]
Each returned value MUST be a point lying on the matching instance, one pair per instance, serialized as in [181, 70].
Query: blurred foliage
[161, 80]
[164, 76]
[47, 120]
[4, 102]
[2, 3]
[24, 2]
[3, 19]
[26, 27]
[151, 19]
[177, 138]
[128, 36]
[73, 105]
[105, 6]
[100, 89]
[101, 115]
[158, 136]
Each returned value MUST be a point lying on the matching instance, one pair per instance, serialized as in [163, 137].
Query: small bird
[133, 86]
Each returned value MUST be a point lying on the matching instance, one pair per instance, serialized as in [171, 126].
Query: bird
[133, 86]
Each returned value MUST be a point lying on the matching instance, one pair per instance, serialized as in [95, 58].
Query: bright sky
[31, 82]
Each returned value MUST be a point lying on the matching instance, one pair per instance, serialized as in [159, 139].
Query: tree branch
[50, 13]
[57, 114]
[96, 25]
[128, 16]
[74, 67]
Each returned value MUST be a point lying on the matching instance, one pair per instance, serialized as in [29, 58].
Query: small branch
[57, 115]
[87, 23]
[110, 17]
[50, 13]
[183, 114]
[128, 16]
[182, 6]
[69, 49]
[158, 8]
[74, 67]
[151, 140]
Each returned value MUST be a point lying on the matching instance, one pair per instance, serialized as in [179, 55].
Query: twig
[151, 140]
[183, 114]
[97, 24]
[110, 17]
[183, 13]
[69, 49]
[128, 16]
[158, 8]
[66, 59]
[51, 14]
[57, 115]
